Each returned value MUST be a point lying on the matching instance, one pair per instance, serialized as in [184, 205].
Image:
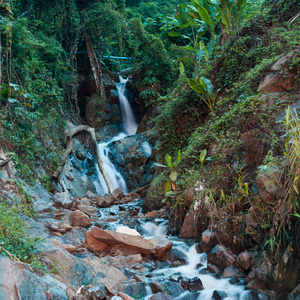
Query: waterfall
[129, 128]
[129, 123]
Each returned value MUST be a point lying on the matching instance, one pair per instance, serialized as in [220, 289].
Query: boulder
[64, 200]
[30, 285]
[269, 184]
[134, 156]
[192, 285]
[281, 75]
[117, 194]
[134, 289]
[94, 244]
[192, 225]
[127, 230]
[295, 294]
[125, 296]
[209, 238]
[162, 246]
[89, 210]
[97, 292]
[160, 296]
[79, 219]
[218, 295]
[232, 271]
[167, 287]
[132, 242]
[245, 260]
[220, 257]
[104, 201]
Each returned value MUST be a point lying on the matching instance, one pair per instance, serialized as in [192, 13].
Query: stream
[195, 264]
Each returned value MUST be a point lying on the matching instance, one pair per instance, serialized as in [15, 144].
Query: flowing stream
[129, 128]
[196, 262]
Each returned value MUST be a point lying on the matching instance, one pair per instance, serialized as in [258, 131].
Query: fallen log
[73, 130]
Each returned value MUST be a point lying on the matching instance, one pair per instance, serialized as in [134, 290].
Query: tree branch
[73, 131]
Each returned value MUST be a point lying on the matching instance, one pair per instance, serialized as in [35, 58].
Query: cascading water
[129, 126]
[196, 262]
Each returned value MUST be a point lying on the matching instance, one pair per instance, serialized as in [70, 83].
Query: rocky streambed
[102, 247]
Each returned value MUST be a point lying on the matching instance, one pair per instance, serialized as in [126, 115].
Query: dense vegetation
[200, 61]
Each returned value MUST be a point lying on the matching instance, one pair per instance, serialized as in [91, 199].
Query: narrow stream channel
[196, 263]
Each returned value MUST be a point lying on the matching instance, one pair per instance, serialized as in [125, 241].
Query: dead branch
[17, 292]
[4, 162]
[73, 130]
[140, 190]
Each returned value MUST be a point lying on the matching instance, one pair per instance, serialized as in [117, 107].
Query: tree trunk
[69, 141]
[96, 68]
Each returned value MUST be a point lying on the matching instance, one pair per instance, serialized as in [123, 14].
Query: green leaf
[204, 15]
[196, 86]
[203, 155]
[175, 34]
[206, 55]
[157, 180]
[159, 165]
[185, 59]
[12, 100]
[167, 187]
[179, 155]
[239, 5]
[207, 82]
[190, 48]
[181, 68]
[168, 160]
[173, 176]
[170, 194]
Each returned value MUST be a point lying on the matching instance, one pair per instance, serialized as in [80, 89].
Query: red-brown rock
[94, 244]
[134, 242]
[80, 219]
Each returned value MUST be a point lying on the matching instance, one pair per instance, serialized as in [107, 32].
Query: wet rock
[226, 237]
[281, 76]
[194, 284]
[124, 296]
[94, 244]
[29, 285]
[232, 271]
[201, 247]
[151, 214]
[220, 257]
[256, 295]
[245, 260]
[160, 296]
[133, 155]
[64, 200]
[218, 295]
[97, 292]
[127, 230]
[80, 219]
[135, 289]
[104, 201]
[132, 242]
[74, 237]
[118, 194]
[177, 255]
[162, 245]
[89, 210]
[295, 294]
[213, 269]
[192, 225]
[43, 201]
[269, 184]
[209, 238]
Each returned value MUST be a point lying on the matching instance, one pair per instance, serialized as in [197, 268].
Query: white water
[129, 126]
[195, 263]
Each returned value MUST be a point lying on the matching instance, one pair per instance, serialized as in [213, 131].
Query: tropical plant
[204, 88]
[172, 174]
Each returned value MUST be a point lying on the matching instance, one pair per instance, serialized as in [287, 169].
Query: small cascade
[129, 123]
[130, 127]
